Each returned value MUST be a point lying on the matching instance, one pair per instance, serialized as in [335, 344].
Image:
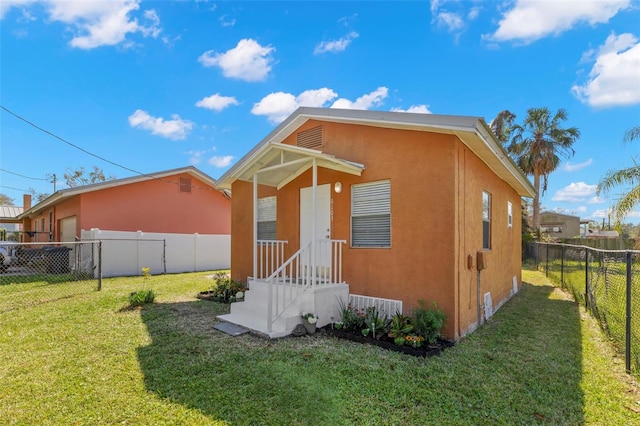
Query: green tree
[79, 177]
[502, 125]
[5, 200]
[537, 145]
[627, 176]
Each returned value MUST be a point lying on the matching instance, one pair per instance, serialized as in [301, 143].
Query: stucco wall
[431, 176]
[155, 205]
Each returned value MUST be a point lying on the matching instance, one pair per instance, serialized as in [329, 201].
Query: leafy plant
[428, 322]
[146, 273]
[400, 326]
[141, 297]
[375, 322]
[225, 289]
[352, 318]
[309, 317]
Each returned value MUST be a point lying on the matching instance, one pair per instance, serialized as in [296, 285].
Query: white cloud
[225, 21]
[195, 157]
[597, 200]
[367, 101]
[247, 61]
[421, 109]
[530, 20]
[176, 128]
[568, 167]
[336, 45]
[581, 209]
[102, 23]
[452, 21]
[575, 192]
[217, 102]
[601, 213]
[613, 80]
[278, 106]
[223, 161]
[5, 5]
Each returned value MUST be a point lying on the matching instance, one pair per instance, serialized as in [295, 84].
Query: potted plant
[309, 321]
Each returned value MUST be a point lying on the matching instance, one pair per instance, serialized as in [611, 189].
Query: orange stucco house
[381, 207]
[183, 200]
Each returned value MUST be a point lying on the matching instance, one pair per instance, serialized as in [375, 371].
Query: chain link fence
[35, 273]
[606, 282]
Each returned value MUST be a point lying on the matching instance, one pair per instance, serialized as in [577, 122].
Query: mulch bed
[210, 295]
[387, 343]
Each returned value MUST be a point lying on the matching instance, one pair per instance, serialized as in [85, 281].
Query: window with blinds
[371, 214]
[267, 218]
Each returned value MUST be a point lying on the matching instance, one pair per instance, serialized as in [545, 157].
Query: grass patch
[85, 360]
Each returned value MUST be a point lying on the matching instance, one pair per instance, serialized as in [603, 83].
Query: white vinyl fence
[126, 253]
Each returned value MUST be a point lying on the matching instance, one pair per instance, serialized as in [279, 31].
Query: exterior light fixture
[337, 187]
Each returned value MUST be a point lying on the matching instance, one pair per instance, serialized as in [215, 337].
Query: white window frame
[486, 220]
[509, 214]
[371, 215]
[267, 217]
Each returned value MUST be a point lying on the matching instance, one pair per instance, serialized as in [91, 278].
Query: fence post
[586, 278]
[99, 265]
[627, 353]
[546, 266]
[562, 266]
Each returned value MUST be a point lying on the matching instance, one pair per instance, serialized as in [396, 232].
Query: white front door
[323, 220]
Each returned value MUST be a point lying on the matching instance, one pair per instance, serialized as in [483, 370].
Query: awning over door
[278, 164]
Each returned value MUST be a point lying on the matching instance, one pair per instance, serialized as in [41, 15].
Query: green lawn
[607, 282]
[85, 360]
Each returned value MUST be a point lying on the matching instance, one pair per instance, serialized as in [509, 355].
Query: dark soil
[386, 342]
[210, 295]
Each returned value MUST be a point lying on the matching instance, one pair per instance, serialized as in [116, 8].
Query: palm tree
[630, 176]
[537, 145]
[502, 125]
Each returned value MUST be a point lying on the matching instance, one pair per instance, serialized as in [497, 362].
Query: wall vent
[185, 184]
[311, 138]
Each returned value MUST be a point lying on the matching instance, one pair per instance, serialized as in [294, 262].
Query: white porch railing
[270, 255]
[296, 275]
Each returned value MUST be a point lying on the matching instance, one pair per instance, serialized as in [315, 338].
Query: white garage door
[68, 229]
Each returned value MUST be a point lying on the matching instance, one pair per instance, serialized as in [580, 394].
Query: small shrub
[225, 289]
[376, 323]
[146, 273]
[141, 297]
[352, 318]
[400, 327]
[428, 322]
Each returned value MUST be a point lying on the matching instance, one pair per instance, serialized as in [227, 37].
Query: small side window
[509, 214]
[486, 220]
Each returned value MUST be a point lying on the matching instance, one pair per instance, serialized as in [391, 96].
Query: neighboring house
[9, 222]
[558, 225]
[374, 207]
[183, 201]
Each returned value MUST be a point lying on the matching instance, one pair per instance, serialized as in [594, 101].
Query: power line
[97, 156]
[18, 174]
[15, 189]
[67, 142]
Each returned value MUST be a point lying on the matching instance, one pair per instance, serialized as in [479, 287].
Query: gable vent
[311, 138]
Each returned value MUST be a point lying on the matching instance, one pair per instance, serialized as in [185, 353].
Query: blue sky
[156, 85]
